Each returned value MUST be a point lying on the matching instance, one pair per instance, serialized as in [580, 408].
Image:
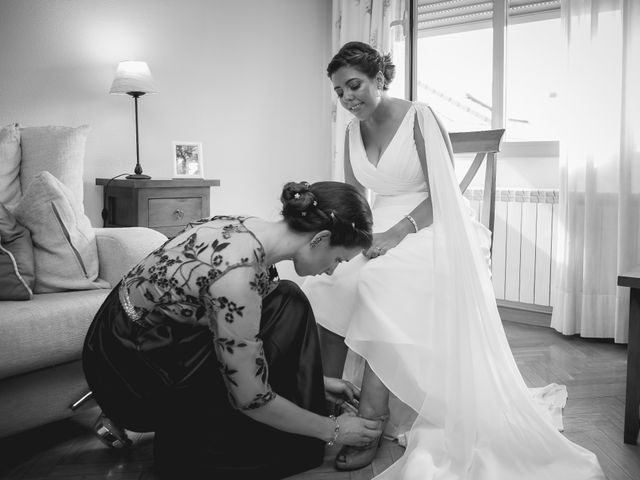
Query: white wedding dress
[424, 316]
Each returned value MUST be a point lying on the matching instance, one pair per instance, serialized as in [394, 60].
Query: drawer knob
[179, 214]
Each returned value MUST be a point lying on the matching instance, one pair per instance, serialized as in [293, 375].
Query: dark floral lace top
[212, 274]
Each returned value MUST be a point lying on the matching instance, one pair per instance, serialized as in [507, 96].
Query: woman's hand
[385, 241]
[339, 391]
[420, 217]
[358, 431]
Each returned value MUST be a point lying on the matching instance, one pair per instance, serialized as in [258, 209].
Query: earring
[315, 242]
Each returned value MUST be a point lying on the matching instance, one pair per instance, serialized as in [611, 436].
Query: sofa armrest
[119, 249]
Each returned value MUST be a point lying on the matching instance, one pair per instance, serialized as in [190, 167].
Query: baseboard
[525, 313]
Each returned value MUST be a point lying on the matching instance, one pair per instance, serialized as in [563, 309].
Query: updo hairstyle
[334, 206]
[366, 59]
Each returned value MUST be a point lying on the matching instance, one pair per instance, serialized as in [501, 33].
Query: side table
[164, 205]
[632, 400]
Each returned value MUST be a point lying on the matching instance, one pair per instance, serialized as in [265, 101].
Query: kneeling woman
[200, 345]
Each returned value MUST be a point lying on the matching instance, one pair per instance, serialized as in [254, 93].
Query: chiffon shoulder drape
[424, 317]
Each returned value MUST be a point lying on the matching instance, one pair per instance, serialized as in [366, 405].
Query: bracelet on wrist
[336, 430]
[413, 222]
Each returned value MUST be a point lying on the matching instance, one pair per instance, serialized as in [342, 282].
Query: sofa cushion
[65, 251]
[16, 259]
[40, 397]
[10, 191]
[45, 331]
[58, 150]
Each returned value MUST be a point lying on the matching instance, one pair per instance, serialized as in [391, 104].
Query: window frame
[500, 19]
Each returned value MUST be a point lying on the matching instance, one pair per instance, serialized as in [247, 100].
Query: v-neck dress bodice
[397, 182]
[398, 170]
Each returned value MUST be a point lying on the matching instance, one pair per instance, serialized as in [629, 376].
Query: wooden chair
[484, 143]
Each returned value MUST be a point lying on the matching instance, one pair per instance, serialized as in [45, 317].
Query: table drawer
[169, 212]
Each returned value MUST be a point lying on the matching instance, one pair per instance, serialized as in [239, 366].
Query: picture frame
[187, 159]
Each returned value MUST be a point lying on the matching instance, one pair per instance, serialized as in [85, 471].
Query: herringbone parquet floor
[594, 372]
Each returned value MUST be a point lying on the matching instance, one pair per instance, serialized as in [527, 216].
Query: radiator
[523, 245]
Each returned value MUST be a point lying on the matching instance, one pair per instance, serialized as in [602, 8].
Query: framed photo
[187, 160]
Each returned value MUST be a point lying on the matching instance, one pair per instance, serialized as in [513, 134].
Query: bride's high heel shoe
[353, 458]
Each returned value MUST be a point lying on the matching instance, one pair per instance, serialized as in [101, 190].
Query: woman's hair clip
[306, 185]
[333, 215]
[296, 195]
[315, 203]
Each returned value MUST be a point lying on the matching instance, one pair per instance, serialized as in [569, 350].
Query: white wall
[246, 78]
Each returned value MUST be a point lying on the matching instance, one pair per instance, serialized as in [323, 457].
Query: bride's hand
[383, 242]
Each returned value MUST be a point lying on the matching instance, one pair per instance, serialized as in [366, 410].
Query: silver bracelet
[413, 222]
[336, 431]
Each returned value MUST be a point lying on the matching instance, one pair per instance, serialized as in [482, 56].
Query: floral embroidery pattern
[260, 283]
[260, 400]
[179, 281]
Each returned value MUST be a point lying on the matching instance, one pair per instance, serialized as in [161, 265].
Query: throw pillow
[16, 259]
[57, 150]
[10, 191]
[65, 249]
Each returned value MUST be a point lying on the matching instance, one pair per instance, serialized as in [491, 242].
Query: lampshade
[133, 76]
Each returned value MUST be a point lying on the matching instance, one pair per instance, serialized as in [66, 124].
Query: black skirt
[166, 379]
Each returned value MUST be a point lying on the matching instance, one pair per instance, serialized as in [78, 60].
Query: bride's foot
[353, 458]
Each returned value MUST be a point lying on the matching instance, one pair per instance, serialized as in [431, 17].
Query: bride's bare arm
[422, 215]
[384, 241]
[349, 176]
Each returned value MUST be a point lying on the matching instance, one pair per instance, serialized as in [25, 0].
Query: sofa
[42, 333]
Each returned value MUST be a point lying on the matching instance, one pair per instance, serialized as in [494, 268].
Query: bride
[419, 307]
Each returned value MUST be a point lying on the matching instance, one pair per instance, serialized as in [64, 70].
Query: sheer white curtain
[366, 21]
[598, 228]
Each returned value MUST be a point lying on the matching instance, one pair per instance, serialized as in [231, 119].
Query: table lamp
[134, 78]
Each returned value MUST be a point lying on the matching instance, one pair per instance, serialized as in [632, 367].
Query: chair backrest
[484, 143]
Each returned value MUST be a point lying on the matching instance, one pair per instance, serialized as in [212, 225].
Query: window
[399, 48]
[454, 77]
[482, 67]
[532, 71]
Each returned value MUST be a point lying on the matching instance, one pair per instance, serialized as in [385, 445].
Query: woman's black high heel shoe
[110, 434]
[353, 458]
